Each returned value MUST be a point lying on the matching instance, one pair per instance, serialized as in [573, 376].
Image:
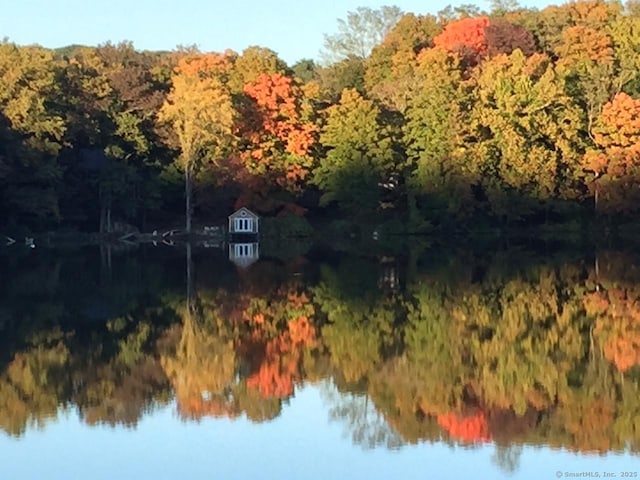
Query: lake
[370, 362]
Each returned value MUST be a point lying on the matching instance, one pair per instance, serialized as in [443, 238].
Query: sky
[293, 28]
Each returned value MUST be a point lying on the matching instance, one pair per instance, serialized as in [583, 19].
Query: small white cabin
[243, 254]
[244, 221]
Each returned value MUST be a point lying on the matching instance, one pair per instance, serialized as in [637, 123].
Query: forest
[459, 120]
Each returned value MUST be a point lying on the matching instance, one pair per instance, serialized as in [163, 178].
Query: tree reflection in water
[466, 348]
[366, 426]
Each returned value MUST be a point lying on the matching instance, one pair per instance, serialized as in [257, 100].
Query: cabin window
[243, 225]
[243, 250]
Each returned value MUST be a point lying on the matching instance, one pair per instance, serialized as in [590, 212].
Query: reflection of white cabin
[243, 221]
[243, 254]
[389, 278]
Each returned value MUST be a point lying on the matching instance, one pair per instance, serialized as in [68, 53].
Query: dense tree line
[504, 117]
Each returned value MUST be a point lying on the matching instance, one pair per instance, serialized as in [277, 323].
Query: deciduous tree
[360, 154]
[360, 32]
[200, 110]
[31, 132]
[277, 136]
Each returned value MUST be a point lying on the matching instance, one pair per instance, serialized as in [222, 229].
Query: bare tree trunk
[188, 192]
[595, 195]
[192, 303]
[103, 217]
[189, 275]
[105, 264]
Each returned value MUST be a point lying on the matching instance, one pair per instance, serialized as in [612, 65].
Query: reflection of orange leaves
[589, 421]
[617, 325]
[623, 352]
[539, 400]
[196, 408]
[595, 303]
[297, 299]
[274, 348]
[302, 332]
[270, 381]
[279, 345]
[467, 429]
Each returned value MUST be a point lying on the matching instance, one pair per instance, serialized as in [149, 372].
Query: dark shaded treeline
[510, 346]
[508, 118]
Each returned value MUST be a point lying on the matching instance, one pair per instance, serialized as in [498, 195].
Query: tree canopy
[445, 121]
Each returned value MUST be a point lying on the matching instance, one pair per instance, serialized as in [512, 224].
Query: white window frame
[244, 250]
[243, 225]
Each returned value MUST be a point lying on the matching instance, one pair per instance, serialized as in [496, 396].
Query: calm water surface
[411, 363]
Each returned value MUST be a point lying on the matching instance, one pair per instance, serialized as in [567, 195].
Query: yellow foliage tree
[200, 110]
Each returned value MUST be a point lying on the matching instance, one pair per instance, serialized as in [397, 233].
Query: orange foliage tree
[582, 43]
[276, 136]
[209, 65]
[479, 37]
[613, 169]
[467, 37]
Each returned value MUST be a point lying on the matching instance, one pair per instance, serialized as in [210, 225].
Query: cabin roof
[243, 212]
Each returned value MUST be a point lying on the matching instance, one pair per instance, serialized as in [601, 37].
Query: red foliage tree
[469, 429]
[476, 38]
[504, 37]
[467, 37]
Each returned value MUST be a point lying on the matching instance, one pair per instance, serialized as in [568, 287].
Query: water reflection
[508, 349]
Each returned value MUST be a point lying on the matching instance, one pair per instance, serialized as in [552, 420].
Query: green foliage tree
[344, 74]
[31, 129]
[625, 35]
[253, 62]
[360, 155]
[390, 74]
[434, 137]
[306, 70]
[528, 133]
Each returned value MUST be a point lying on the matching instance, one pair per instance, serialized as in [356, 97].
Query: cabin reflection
[244, 254]
[389, 276]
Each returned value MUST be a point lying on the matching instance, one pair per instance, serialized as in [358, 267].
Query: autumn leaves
[446, 120]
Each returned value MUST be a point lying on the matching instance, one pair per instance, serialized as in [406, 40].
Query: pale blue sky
[293, 28]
